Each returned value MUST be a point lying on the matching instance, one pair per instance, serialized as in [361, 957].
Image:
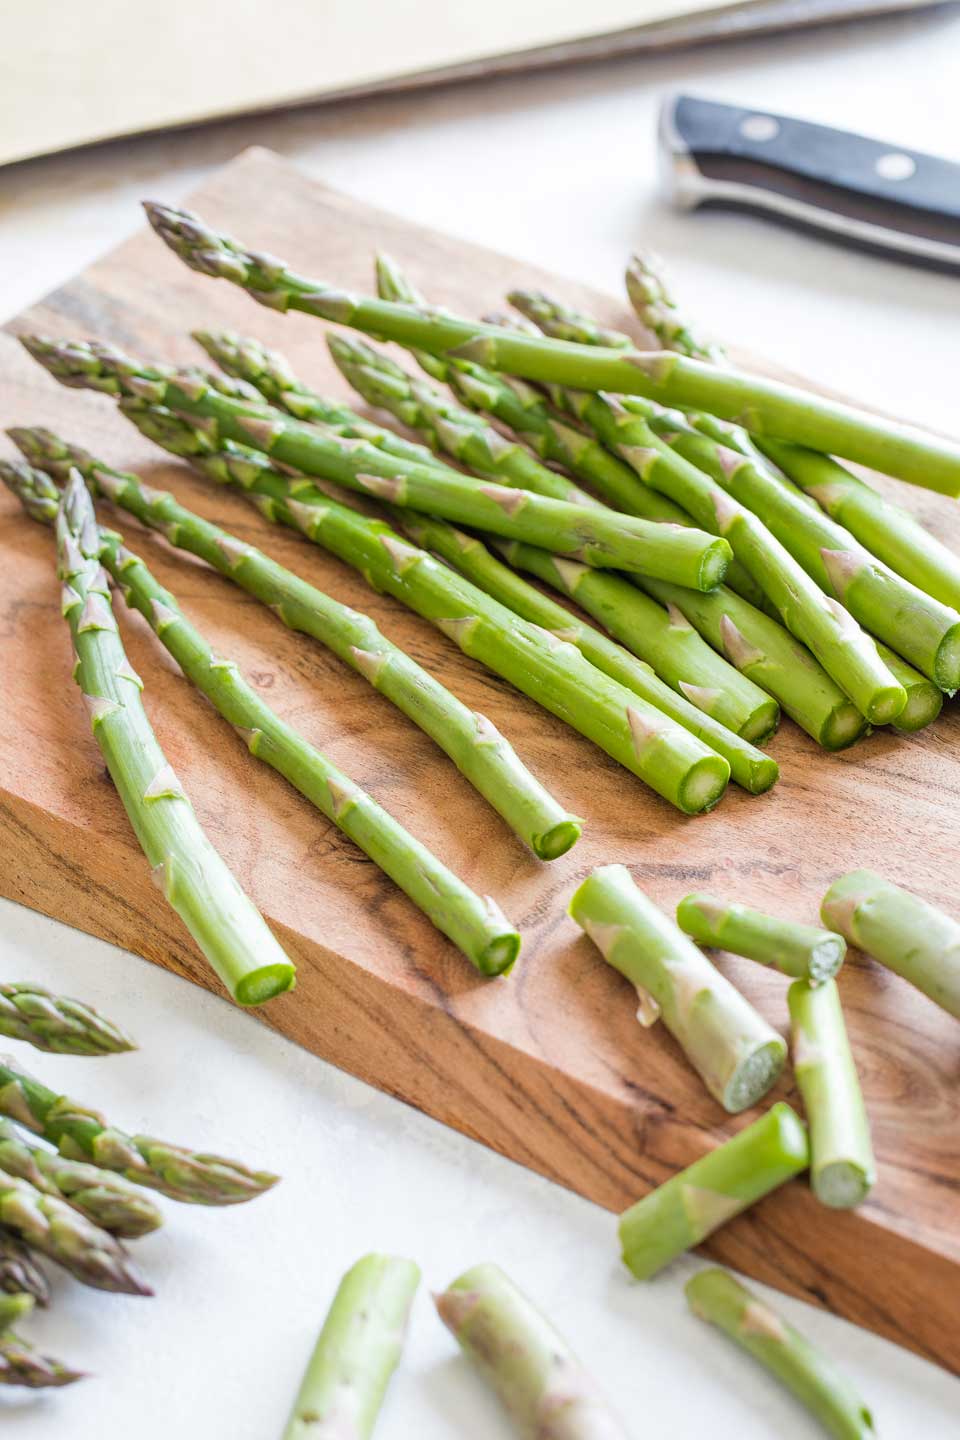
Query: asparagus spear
[818, 620]
[924, 698]
[358, 1350]
[842, 1169]
[56, 1229]
[19, 1272]
[83, 1134]
[20, 1364]
[715, 1296]
[198, 885]
[903, 932]
[706, 681]
[801, 951]
[543, 1386]
[105, 1199]
[736, 1053]
[472, 922]
[686, 556]
[749, 767]
[689, 1206]
[551, 671]
[52, 1022]
[765, 406]
[472, 742]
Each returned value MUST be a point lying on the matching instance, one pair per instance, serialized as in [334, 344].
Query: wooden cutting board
[549, 1065]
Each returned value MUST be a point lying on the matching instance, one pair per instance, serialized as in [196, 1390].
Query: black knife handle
[858, 188]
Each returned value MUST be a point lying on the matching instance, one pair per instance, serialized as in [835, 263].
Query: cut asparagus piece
[474, 923]
[55, 1023]
[801, 951]
[105, 1199]
[83, 1134]
[765, 406]
[475, 746]
[819, 620]
[689, 1207]
[903, 932]
[842, 1167]
[715, 1296]
[49, 1225]
[542, 1385]
[550, 670]
[358, 1350]
[733, 1049]
[766, 652]
[596, 536]
[749, 767]
[196, 882]
[19, 1272]
[924, 698]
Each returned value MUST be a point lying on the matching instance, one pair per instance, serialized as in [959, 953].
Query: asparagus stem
[471, 741]
[820, 621]
[105, 1199]
[764, 406]
[719, 1299]
[83, 1134]
[733, 1049]
[801, 951]
[690, 1206]
[55, 1023]
[549, 670]
[19, 1272]
[472, 922]
[910, 937]
[543, 1386]
[842, 1169]
[21, 1365]
[924, 698]
[56, 1229]
[14, 1308]
[226, 925]
[358, 1350]
[749, 767]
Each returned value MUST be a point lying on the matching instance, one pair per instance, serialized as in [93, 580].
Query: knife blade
[885, 198]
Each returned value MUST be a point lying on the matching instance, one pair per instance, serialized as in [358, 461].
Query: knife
[886, 198]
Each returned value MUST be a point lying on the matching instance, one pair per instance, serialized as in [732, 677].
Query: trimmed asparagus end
[887, 704]
[761, 724]
[557, 841]
[843, 727]
[826, 959]
[716, 562]
[704, 785]
[500, 956]
[947, 663]
[265, 984]
[842, 1185]
[754, 1076]
[763, 775]
[924, 703]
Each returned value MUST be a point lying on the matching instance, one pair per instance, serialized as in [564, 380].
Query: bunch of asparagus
[72, 1187]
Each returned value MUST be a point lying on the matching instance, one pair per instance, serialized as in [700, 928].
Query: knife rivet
[759, 127]
[896, 166]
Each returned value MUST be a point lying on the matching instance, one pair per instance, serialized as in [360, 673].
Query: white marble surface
[561, 168]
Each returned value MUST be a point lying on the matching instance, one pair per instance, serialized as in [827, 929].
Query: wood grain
[548, 1066]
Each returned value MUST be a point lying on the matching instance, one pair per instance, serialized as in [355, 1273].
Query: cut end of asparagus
[842, 1185]
[265, 984]
[947, 661]
[761, 724]
[557, 841]
[924, 703]
[826, 959]
[843, 727]
[500, 956]
[703, 785]
[754, 1076]
[716, 562]
[887, 704]
[764, 774]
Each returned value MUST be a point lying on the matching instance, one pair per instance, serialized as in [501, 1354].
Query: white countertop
[557, 167]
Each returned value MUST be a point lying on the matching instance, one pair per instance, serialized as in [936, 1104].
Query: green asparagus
[471, 741]
[226, 925]
[19, 1272]
[749, 767]
[800, 951]
[842, 1167]
[20, 1364]
[910, 937]
[689, 1207]
[542, 1385]
[764, 406]
[105, 1199]
[57, 1024]
[359, 1348]
[718, 1298]
[472, 922]
[56, 1229]
[550, 670]
[80, 1133]
[736, 1053]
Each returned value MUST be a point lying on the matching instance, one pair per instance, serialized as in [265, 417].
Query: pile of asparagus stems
[72, 1186]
